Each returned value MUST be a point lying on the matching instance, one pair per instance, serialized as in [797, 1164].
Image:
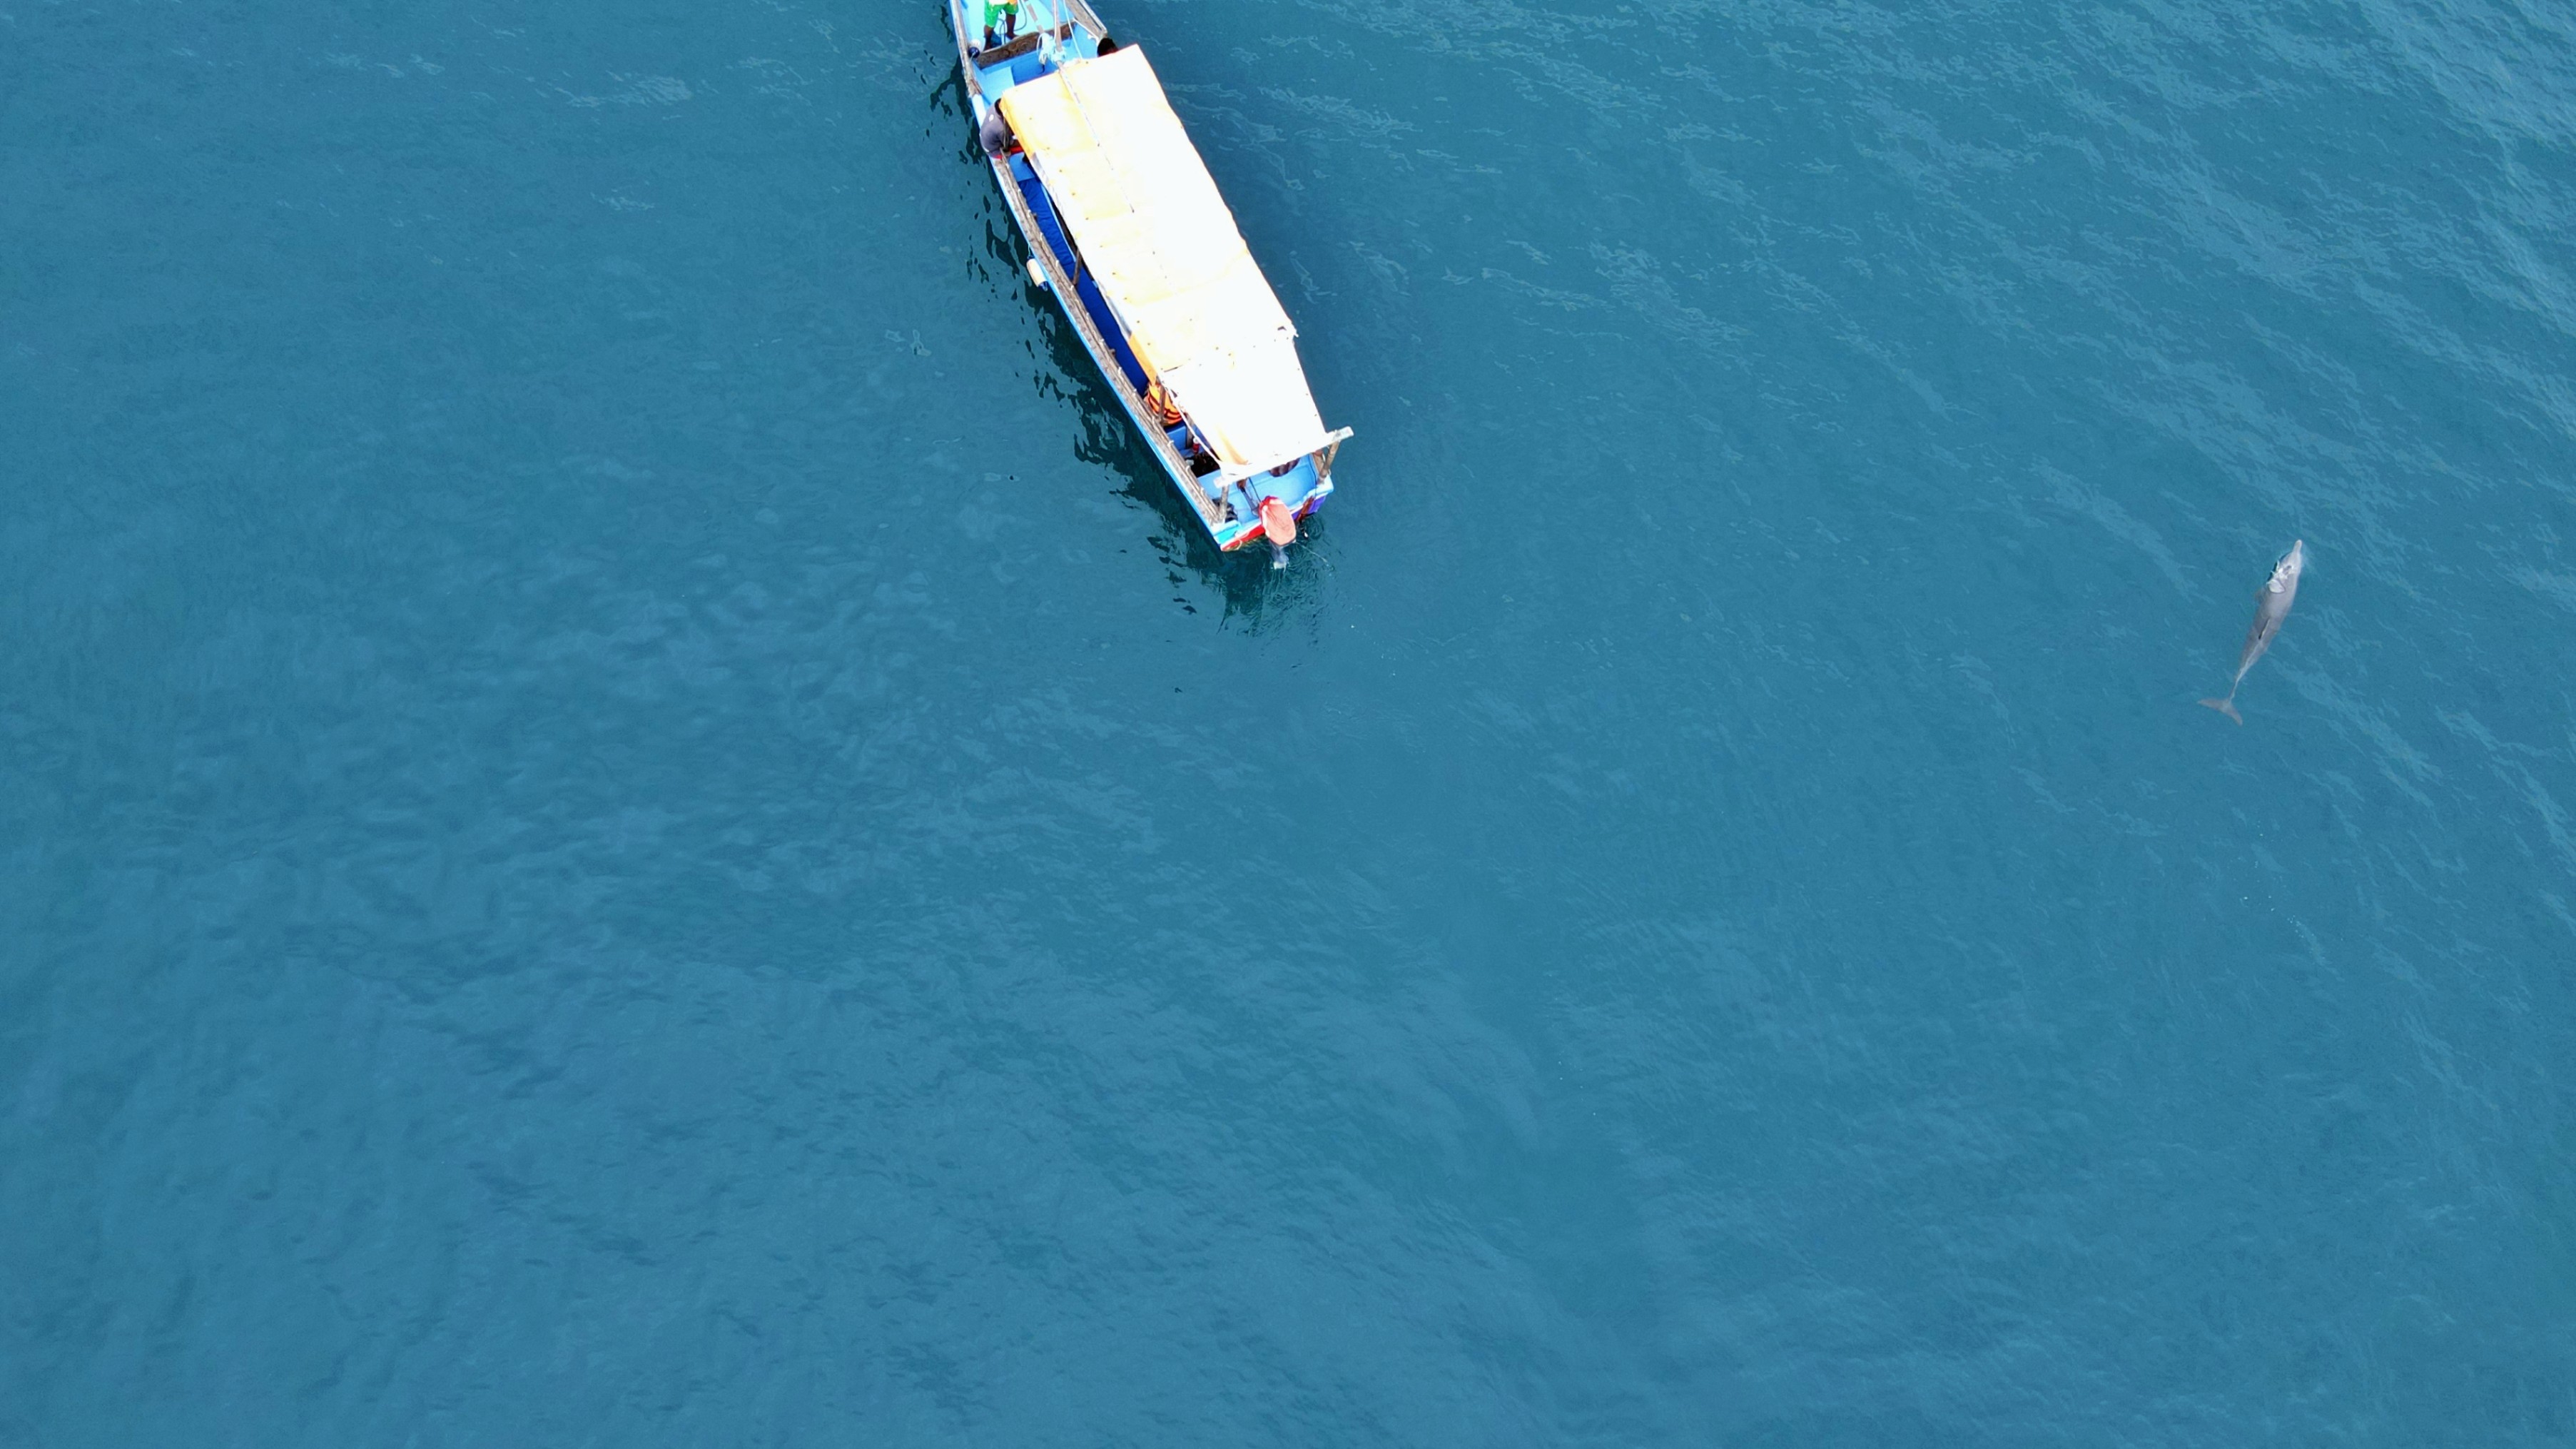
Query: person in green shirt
[1008, 12]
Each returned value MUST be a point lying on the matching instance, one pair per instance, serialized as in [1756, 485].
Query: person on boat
[1009, 11]
[994, 134]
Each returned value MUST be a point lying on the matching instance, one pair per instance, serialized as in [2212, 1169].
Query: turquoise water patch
[629, 813]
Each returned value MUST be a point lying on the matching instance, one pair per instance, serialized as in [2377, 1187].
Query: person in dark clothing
[994, 134]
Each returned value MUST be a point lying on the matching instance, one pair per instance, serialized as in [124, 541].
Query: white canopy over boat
[1160, 241]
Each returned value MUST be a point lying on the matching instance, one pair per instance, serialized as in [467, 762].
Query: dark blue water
[628, 816]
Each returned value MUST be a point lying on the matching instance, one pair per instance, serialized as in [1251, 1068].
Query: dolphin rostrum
[2271, 606]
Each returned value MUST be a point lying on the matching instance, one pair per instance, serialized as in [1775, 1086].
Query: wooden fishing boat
[1125, 226]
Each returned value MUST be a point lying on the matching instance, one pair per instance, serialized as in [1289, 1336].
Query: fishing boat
[1125, 226]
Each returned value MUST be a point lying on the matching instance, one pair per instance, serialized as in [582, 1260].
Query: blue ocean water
[628, 815]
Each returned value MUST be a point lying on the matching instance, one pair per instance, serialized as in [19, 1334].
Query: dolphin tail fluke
[2226, 707]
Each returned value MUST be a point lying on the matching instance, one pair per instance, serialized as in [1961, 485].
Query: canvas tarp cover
[1155, 234]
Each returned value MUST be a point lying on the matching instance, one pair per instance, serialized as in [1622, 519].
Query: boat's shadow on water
[1251, 589]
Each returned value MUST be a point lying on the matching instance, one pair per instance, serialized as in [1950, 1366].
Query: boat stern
[1298, 492]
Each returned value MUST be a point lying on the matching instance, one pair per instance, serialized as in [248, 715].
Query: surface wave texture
[629, 815]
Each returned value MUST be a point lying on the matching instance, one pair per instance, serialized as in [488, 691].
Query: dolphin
[2271, 606]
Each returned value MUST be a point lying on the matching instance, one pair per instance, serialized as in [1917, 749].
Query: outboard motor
[1280, 527]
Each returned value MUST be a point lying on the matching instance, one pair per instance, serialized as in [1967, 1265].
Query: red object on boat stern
[1277, 522]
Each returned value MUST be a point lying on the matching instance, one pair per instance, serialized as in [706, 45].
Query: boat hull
[1228, 512]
